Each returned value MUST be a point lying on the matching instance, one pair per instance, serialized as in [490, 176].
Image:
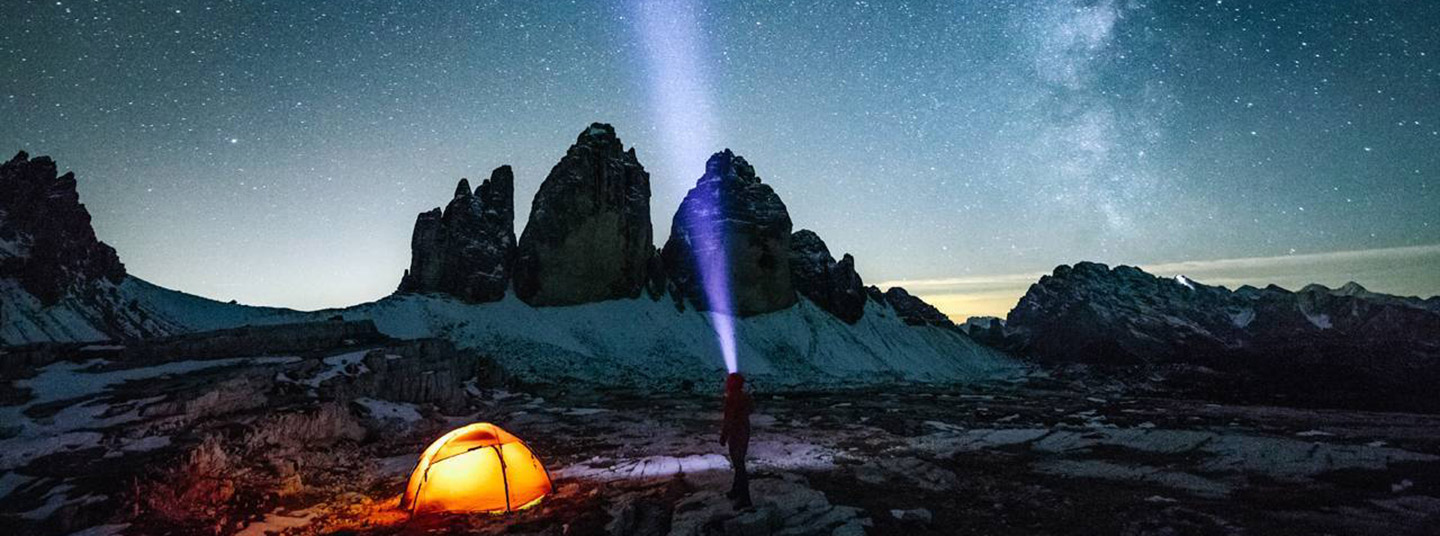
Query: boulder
[907, 472]
[466, 250]
[834, 286]
[589, 237]
[741, 228]
[919, 515]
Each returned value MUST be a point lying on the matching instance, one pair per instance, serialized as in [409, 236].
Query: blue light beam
[671, 36]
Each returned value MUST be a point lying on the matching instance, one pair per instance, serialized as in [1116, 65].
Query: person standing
[735, 434]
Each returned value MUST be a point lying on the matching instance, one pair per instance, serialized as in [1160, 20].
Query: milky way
[277, 152]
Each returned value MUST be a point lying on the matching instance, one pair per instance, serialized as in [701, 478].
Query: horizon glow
[680, 103]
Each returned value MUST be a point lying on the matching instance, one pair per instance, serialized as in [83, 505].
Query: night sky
[277, 152]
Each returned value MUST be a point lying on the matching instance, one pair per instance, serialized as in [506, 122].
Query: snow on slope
[133, 308]
[612, 342]
[642, 341]
[23, 320]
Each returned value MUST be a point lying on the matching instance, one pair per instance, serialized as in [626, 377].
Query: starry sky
[276, 152]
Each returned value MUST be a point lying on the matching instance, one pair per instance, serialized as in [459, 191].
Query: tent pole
[504, 476]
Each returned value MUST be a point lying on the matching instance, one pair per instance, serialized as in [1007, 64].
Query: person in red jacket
[735, 433]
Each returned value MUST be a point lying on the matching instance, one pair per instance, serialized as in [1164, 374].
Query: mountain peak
[466, 250]
[727, 166]
[727, 207]
[588, 237]
[1352, 289]
[597, 132]
[49, 244]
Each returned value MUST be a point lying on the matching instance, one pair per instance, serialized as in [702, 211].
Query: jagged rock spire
[588, 237]
[468, 249]
[730, 212]
[834, 286]
[46, 241]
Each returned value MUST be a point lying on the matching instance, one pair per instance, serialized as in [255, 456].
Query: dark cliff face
[915, 311]
[46, 241]
[468, 249]
[834, 286]
[731, 213]
[1093, 313]
[1344, 347]
[588, 238]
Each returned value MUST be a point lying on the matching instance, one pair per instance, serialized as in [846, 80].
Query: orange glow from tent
[476, 468]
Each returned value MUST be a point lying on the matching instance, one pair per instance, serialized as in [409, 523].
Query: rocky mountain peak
[915, 311]
[468, 249]
[1352, 289]
[834, 286]
[589, 236]
[46, 241]
[601, 138]
[597, 133]
[730, 213]
[727, 166]
[497, 196]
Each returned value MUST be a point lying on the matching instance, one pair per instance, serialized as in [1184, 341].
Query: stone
[909, 472]
[920, 515]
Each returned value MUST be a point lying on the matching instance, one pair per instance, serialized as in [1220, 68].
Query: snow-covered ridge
[627, 341]
[643, 340]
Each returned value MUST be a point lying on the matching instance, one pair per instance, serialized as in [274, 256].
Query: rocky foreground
[310, 440]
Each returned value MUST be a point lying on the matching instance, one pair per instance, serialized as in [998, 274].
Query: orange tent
[476, 468]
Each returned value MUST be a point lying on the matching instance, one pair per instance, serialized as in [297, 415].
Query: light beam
[672, 38]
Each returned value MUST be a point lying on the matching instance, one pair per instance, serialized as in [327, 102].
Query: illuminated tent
[476, 468]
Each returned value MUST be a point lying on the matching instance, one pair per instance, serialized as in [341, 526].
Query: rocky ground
[300, 445]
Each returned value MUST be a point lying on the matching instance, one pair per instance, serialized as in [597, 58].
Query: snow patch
[1243, 318]
[336, 366]
[385, 409]
[66, 380]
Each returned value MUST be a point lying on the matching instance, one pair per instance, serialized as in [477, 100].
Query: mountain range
[583, 292]
[1331, 347]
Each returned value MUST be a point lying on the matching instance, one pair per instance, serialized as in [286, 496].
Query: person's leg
[737, 464]
[740, 490]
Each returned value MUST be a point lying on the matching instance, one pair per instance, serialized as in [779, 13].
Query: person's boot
[743, 501]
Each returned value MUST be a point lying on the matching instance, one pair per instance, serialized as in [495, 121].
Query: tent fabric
[476, 468]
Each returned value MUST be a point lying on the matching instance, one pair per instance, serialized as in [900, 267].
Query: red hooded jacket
[737, 410]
